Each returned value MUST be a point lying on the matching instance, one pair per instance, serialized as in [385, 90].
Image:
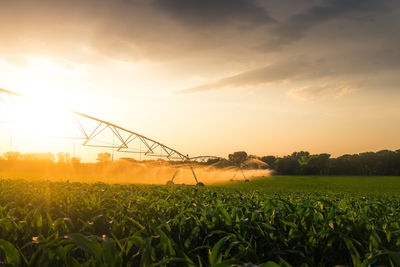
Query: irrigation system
[124, 140]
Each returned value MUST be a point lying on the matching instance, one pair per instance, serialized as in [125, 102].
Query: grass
[368, 185]
[281, 220]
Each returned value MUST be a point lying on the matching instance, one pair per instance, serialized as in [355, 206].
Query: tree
[287, 165]
[238, 157]
[346, 164]
[63, 157]
[75, 161]
[270, 160]
[47, 157]
[300, 154]
[10, 155]
[104, 157]
[315, 164]
[38, 156]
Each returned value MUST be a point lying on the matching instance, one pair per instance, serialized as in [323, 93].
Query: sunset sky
[213, 76]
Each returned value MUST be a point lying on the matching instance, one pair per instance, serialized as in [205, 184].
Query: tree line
[42, 157]
[384, 162]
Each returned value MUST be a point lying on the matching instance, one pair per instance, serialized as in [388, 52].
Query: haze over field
[123, 172]
[210, 77]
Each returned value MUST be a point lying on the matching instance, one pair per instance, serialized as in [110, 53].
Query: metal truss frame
[118, 132]
[241, 170]
[8, 94]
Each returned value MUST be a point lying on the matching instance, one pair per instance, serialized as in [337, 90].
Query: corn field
[75, 224]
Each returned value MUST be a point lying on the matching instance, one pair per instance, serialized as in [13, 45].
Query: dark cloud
[343, 70]
[298, 24]
[129, 30]
[361, 37]
[164, 29]
[211, 12]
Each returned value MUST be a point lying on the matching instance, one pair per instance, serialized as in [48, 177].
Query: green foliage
[74, 224]
[384, 162]
[238, 157]
[377, 186]
[287, 165]
[270, 160]
[11, 253]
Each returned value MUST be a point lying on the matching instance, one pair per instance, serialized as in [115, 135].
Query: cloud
[335, 75]
[273, 73]
[166, 30]
[298, 24]
[203, 37]
[134, 30]
[215, 13]
[16, 60]
[321, 90]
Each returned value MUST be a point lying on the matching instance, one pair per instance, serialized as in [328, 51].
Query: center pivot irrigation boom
[124, 137]
[126, 140]
[197, 159]
[6, 98]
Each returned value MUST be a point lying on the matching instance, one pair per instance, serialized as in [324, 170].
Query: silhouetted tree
[287, 165]
[270, 160]
[300, 154]
[315, 164]
[104, 157]
[63, 157]
[10, 155]
[384, 162]
[75, 161]
[238, 157]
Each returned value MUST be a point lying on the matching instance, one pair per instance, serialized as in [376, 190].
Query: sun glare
[40, 117]
[40, 120]
[43, 113]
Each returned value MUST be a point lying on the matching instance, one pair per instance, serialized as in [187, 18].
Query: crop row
[73, 224]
